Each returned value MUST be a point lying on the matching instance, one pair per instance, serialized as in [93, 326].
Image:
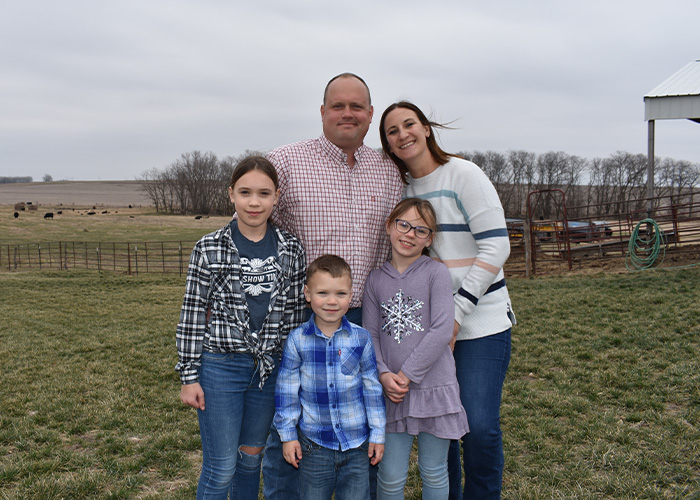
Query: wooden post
[527, 241]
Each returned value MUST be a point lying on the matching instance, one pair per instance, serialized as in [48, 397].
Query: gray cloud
[107, 90]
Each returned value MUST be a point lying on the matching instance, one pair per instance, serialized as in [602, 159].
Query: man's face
[346, 113]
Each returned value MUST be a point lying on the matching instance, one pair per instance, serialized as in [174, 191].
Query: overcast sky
[106, 89]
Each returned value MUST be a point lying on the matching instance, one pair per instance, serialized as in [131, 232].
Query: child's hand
[292, 452]
[394, 387]
[375, 453]
[192, 395]
[405, 382]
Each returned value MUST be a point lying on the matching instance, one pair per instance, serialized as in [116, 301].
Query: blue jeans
[432, 463]
[481, 370]
[281, 480]
[323, 471]
[237, 413]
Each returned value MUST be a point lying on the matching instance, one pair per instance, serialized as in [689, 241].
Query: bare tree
[522, 164]
[677, 179]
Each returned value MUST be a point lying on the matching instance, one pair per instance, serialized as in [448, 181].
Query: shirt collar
[312, 329]
[337, 154]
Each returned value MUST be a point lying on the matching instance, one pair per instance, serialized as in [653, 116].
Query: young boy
[329, 402]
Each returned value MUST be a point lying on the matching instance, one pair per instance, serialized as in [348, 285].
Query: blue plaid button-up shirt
[329, 386]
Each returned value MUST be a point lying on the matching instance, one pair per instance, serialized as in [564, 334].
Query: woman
[472, 241]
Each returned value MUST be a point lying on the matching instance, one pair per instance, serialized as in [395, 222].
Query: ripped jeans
[237, 413]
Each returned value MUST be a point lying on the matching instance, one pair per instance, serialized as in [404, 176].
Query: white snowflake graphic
[401, 313]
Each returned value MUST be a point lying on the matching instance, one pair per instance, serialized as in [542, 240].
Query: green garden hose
[643, 252]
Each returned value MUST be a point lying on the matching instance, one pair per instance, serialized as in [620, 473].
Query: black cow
[48, 215]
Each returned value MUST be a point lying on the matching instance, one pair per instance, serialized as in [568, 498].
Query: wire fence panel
[119, 257]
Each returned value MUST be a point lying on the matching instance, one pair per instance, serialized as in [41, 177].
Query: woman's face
[406, 135]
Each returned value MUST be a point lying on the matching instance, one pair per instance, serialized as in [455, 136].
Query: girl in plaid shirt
[243, 295]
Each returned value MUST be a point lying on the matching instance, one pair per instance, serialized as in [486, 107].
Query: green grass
[602, 399]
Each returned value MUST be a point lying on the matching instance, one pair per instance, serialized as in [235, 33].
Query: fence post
[180, 257]
[128, 257]
[136, 258]
[527, 238]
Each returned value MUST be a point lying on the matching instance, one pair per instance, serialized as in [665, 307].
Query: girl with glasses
[407, 307]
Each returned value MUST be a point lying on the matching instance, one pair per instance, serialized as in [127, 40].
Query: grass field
[120, 224]
[602, 399]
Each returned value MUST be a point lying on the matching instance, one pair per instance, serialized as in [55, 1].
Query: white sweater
[472, 241]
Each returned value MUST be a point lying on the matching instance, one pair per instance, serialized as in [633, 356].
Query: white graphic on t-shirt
[258, 276]
[401, 312]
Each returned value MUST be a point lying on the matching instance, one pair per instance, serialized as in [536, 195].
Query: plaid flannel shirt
[214, 312]
[335, 208]
[330, 387]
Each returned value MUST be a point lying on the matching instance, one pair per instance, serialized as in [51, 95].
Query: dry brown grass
[74, 194]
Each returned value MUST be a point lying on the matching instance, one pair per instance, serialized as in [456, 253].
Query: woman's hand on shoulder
[453, 340]
[192, 395]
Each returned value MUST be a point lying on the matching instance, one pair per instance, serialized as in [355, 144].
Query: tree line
[196, 182]
[12, 180]
[613, 185]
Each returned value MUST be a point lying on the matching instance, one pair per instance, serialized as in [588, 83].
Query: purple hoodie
[411, 317]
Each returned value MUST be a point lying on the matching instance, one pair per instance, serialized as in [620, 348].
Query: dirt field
[75, 194]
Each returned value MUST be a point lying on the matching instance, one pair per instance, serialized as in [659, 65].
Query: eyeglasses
[421, 232]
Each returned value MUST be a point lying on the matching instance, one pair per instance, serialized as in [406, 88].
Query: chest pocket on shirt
[350, 360]
[225, 287]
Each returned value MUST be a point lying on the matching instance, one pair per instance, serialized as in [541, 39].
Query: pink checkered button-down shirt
[334, 208]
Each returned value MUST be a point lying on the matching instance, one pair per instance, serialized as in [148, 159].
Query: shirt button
[330, 385]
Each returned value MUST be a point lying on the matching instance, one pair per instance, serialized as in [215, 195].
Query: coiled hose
[643, 252]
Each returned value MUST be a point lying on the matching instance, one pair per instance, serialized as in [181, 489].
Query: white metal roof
[685, 81]
[677, 97]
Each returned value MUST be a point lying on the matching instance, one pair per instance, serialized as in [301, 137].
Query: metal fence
[537, 246]
[120, 257]
[543, 246]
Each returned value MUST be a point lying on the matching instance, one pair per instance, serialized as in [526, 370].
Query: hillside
[75, 193]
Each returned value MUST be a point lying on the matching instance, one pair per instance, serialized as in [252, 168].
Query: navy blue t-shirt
[258, 272]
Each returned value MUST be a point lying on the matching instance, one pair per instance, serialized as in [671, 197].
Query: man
[335, 196]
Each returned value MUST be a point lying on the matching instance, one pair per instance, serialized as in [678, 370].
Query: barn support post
[650, 168]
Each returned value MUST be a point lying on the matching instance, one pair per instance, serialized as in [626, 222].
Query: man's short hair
[331, 264]
[345, 75]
